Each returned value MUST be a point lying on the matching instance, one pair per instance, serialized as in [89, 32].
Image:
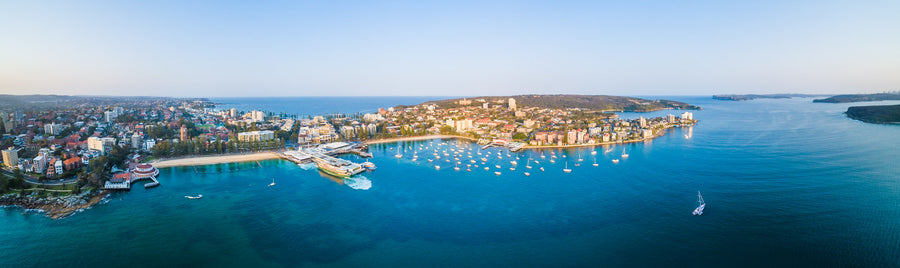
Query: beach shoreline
[211, 160]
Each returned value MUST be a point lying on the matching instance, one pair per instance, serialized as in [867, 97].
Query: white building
[687, 116]
[149, 144]
[110, 116]
[512, 104]
[263, 135]
[58, 166]
[52, 129]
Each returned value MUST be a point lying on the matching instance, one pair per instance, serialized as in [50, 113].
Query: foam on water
[358, 183]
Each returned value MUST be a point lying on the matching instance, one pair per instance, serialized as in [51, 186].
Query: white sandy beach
[208, 160]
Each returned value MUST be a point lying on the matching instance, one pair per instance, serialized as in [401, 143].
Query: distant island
[744, 97]
[860, 97]
[588, 102]
[879, 114]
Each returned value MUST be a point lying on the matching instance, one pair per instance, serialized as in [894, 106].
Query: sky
[454, 48]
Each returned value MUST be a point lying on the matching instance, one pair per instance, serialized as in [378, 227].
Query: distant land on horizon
[566, 101]
[860, 97]
[878, 114]
[744, 97]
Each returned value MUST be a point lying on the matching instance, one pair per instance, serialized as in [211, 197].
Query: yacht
[567, 170]
[615, 161]
[624, 155]
[699, 210]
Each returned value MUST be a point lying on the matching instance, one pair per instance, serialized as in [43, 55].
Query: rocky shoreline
[54, 207]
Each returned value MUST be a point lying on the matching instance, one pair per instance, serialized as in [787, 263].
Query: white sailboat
[624, 155]
[273, 182]
[699, 209]
[567, 170]
[398, 155]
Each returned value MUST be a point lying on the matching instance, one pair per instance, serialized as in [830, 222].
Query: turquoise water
[787, 182]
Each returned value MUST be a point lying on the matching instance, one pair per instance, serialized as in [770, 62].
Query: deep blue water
[305, 106]
[787, 182]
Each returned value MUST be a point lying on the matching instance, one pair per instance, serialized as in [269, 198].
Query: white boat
[497, 166]
[398, 155]
[542, 168]
[527, 174]
[579, 157]
[437, 167]
[497, 173]
[542, 155]
[699, 209]
[429, 160]
[456, 167]
[513, 163]
[512, 169]
[487, 168]
[552, 161]
[194, 197]
[567, 170]
[593, 152]
[368, 165]
[273, 182]
[624, 155]
[615, 161]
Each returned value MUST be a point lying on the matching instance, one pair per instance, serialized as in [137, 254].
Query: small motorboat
[194, 197]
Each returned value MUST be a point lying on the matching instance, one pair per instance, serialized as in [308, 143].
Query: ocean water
[787, 183]
[305, 106]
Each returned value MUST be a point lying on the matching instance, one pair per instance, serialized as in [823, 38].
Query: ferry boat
[699, 210]
[338, 167]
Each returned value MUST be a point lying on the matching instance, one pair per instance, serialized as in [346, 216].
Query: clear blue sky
[338, 48]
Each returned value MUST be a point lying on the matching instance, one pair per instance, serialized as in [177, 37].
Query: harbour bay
[788, 182]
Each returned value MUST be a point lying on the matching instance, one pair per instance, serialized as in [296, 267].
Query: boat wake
[307, 166]
[358, 183]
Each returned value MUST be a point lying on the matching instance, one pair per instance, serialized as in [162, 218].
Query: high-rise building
[101, 144]
[136, 141]
[110, 116]
[512, 104]
[643, 122]
[11, 157]
[184, 133]
[232, 112]
[52, 129]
